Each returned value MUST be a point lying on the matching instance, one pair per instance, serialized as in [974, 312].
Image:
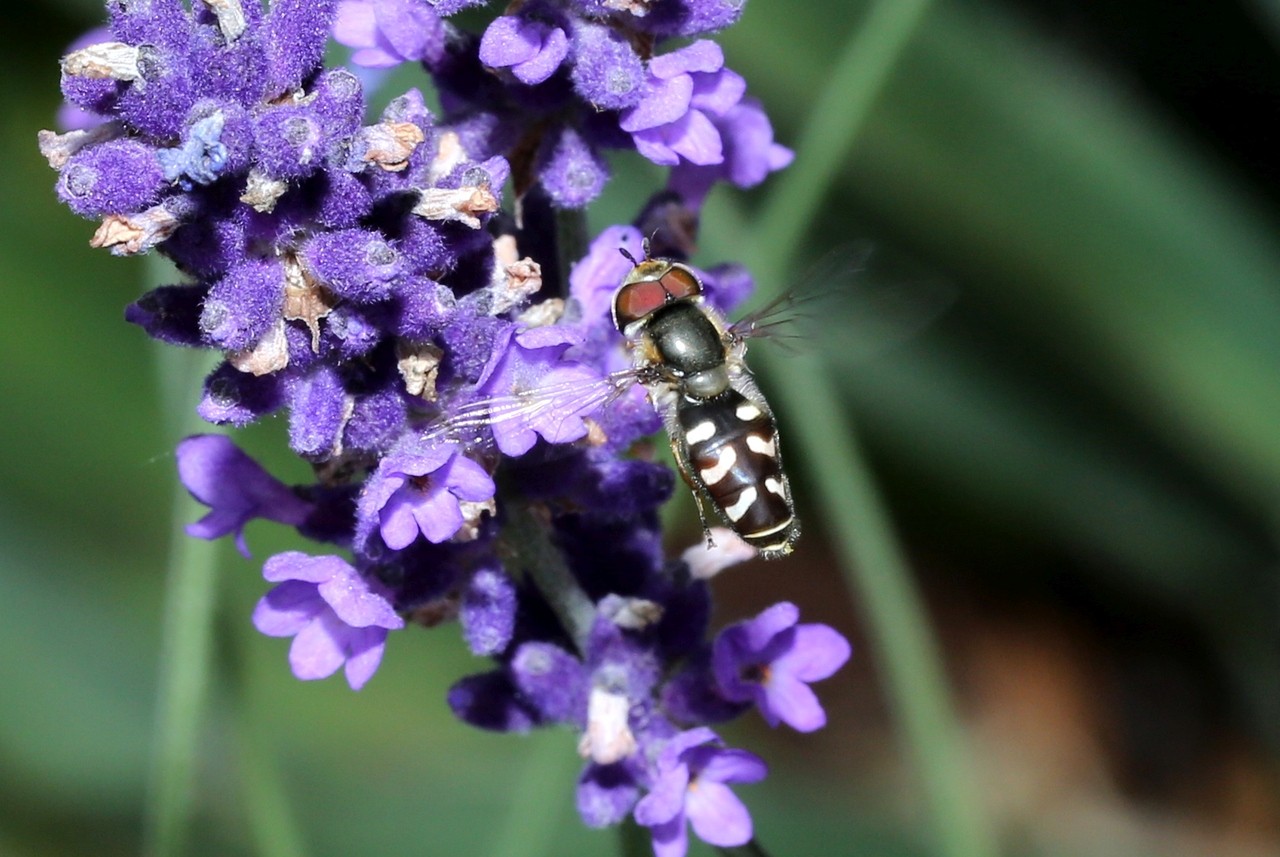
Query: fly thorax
[684, 339]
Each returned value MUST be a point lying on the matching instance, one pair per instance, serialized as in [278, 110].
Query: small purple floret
[417, 490]
[385, 33]
[691, 783]
[235, 488]
[335, 616]
[685, 90]
[771, 660]
[531, 48]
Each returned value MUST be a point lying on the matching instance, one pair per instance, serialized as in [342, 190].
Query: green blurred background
[1072, 414]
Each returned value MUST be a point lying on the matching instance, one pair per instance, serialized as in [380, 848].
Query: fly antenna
[632, 259]
[648, 242]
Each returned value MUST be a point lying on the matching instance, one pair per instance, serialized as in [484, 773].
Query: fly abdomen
[732, 451]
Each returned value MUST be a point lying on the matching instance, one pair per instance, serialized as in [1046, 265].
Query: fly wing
[837, 303]
[554, 410]
[788, 316]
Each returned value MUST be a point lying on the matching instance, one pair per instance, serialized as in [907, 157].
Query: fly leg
[682, 463]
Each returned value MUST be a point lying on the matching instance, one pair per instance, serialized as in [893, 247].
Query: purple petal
[666, 800]
[438, 515]
[687, 740]
[218, 523]
[397, 519]
[791, 701]
[235, 487]
[287, 608]
[733, 766]
[696, 138]
[511, 39]
[596, 277]
[703, 55]
[355, 24]
[295, 565]
[412, 28]
[548, 336]
[356, 604]
[717, 815]
[671, 839]
[665, 102]
[565, 425]
[718, 93]
[468, 480]
[653, 144]
[365, 647]
[319, 649]
[555, 48]
[818, 651]
[375, 58]
[772, 621]
[419, 459]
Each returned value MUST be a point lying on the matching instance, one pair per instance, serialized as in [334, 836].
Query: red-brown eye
[636, 300]
[679, 282]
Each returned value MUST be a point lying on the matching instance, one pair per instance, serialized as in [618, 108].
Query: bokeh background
[1071, 406]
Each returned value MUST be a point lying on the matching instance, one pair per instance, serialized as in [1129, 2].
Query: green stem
[571, 242]
[526, 541]
[855, 514]
[264, 798]
[189, 605]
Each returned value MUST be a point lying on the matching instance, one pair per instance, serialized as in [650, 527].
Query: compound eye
[636, 300]
[680, 282]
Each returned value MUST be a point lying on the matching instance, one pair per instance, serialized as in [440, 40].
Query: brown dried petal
[269, 354]
[449, 153]
[262, 192]
[230, 16]
[114, 60]
[391, 143]
[130, 234]
[58, 148]
[639, 8]
[419, 364]
[463, 204]
[305, 300]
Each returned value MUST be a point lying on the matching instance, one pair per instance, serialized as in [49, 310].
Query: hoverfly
[722, 433]
[691, 363]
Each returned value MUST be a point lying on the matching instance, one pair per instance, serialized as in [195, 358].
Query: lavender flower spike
[693, 771]
[235, 488]
[770, 659]
[334, 615]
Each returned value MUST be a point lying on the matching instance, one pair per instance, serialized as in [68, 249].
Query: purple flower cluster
[464, 421]
[552, 83]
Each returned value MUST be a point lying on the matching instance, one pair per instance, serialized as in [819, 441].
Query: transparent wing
[792, 313]
[553, 410]
[838, 303]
